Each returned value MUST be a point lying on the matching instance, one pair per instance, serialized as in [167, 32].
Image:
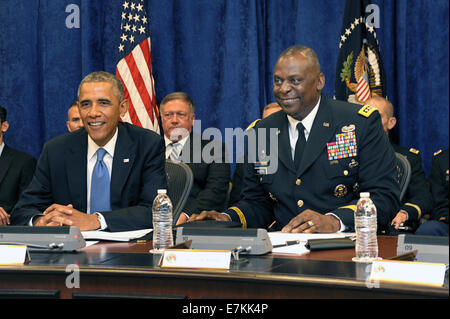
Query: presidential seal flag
[359, 72]
[134, 66]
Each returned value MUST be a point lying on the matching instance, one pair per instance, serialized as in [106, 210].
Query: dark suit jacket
[61, 177]
[417, 200]
[16, 172]
[211, 176]
[321, 184]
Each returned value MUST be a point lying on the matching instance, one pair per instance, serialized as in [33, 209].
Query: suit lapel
[321, 133]
[124, 157]
[76, 170]
[5, 161]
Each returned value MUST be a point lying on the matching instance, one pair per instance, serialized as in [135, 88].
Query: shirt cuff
[102, 221]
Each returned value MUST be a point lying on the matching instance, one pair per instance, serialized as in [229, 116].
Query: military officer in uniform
[417, 200]
[438, 223]
[337, 151]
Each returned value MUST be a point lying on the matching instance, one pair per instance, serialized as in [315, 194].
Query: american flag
[134, 66]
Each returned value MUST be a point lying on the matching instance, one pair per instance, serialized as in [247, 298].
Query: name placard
[13, 254]
[196, 258]
[418, 273]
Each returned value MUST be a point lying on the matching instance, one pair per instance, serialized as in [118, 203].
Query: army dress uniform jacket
[439, 186]
[417, 200]
[332, 171]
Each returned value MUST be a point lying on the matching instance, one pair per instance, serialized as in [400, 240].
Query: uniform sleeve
[417, 201]
[439, 190]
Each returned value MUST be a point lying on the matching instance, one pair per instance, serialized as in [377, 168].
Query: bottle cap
[364, 194]
[162, 191]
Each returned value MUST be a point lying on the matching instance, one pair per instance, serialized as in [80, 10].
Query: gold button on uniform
[300, 203]
[345, 172]
[298, 182]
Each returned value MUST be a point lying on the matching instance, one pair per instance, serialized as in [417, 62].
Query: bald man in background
[417, 200]
[74, 121]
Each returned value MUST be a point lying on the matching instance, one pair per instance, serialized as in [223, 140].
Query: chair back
[179, 183]
[403, 173]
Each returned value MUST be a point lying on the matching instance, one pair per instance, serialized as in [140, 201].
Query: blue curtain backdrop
[221, 52]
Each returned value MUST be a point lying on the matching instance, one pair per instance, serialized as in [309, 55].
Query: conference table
[128, 270]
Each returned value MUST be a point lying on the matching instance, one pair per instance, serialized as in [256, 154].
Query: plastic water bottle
[366, 230]
[162, 222]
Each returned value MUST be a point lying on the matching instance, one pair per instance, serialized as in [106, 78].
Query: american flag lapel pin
[126, 160]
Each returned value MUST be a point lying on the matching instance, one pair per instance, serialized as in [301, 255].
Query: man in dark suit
[103, 176]
[205, 157]
[438, 223]
[417, 200]
[16, 172]
[338, 151]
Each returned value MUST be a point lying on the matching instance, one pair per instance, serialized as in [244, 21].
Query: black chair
[403, 173]
[179, 181]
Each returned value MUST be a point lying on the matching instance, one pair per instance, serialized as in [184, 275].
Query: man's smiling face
[100, 110]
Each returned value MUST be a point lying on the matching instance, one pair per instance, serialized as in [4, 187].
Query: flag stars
[132, 6]
[136, 18]
[121, 46]
[144, 19]
[133, 28]
[127, 27]
[125, 5]
[131, 39]
[139, 7]
[123, 37]
[130, 17]
[347, 31]
[142, 29]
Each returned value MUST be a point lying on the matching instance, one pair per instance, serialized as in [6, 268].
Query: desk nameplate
[196, 258]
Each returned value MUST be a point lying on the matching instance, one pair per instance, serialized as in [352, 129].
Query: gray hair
[102, 76]
[179, 96]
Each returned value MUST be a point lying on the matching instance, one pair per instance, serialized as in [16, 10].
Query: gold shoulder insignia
[253, 124]
[367, 110]
[414, 151]
[437, 153]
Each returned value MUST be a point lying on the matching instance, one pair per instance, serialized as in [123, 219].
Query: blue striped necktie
[174, 154]
[100, 185]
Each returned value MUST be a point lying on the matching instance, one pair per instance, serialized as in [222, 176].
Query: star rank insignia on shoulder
[367, 110]
[414, 151]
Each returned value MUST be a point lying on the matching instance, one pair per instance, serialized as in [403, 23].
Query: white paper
[13, 254]
[115, 236]
[278, 238]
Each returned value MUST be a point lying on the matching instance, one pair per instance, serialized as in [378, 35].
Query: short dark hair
[309, 53]
[102, 76]
[2, 114]
[179, 96]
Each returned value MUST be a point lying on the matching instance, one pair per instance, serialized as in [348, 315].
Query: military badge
[343, 147]
[261, 166]
[340, 190]
[348, 128]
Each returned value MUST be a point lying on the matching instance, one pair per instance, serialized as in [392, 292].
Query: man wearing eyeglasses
[212, 174]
